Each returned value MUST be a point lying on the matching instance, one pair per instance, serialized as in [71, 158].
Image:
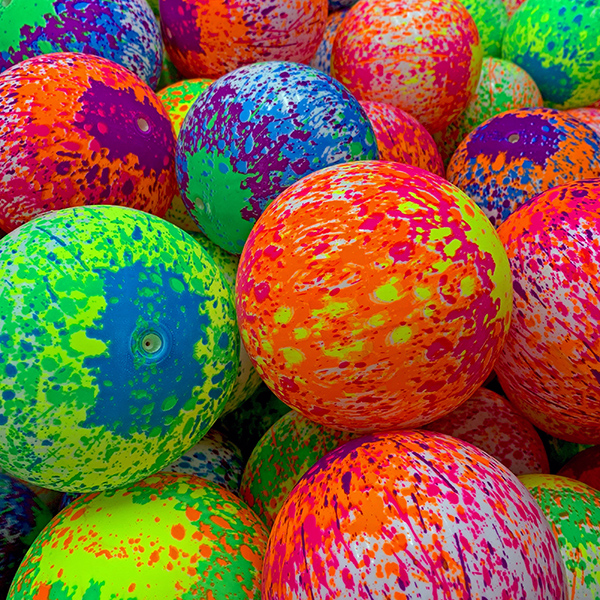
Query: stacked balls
[391, 203]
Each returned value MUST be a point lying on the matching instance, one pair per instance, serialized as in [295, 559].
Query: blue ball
[258, 130]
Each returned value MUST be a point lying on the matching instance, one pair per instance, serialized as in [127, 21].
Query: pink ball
[423, 56]
[588, 115]
[401, 138]
[490, 422]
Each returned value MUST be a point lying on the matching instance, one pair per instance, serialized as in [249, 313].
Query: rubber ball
[119, 347]
[78, 129]
[168, 536]
[373, 295]
[520, 153]
[423, 56]
[411, 514]
[209, 38]
[549, 367]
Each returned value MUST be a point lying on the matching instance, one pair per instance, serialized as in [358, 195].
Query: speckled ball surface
[549, 367]
[256, 131]
[373, 295]
[168, 536]
[517, 154]
[411, 514]
[589, 115]
[208, 38]
[124, 31]
[491, 18]
[290, 447]
[558, 43]
[584, 466]
[177, 99]
[215, 458]
[573, 510]
[322, 57]
[22, 517]
[247, 380]
[489, 421]
[401, 138]
[502, 86]
[79, 129]
[119, 347]
[423, 56]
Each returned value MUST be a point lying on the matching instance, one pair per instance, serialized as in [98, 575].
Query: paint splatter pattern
[168, 536]
[589, 115]
[256, 131]
[401, 138]
[411, 515]
[177, 99]
[215, 457]
[488, 421]
[322, 57]
[423, 56]
[549, 367]
[520, 153]
[125, 32]
[290, 447]
[118, 335]
[373, 295]
[573, 510]
[558, 44]
[205, 38]
[78, 129]
[247, 380]
[502, 86]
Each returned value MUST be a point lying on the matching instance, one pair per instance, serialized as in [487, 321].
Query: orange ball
[373, 295]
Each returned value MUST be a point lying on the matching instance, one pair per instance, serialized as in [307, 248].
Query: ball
[519, 153]
[502, 86]
[373, 295]
[177, 99]
[22, 517]
[208, 38]
[256, 131]
[79, 129]
[584, 466]
[589, 115]
[168, 536]
[490, 422]
[125, 32]
[291, 446]
[322, 57]
[215, 458]
[401, 138]
[573, 510]
[558, 43]
[423, 56]
[119, 347]
[411, 514]
[248, 380]
[491, 18]
[549, 367]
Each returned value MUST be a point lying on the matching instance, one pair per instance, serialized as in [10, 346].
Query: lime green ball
[119, 347]
[558, 43]
[168, 536]
[491, 18]
[573, 510]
